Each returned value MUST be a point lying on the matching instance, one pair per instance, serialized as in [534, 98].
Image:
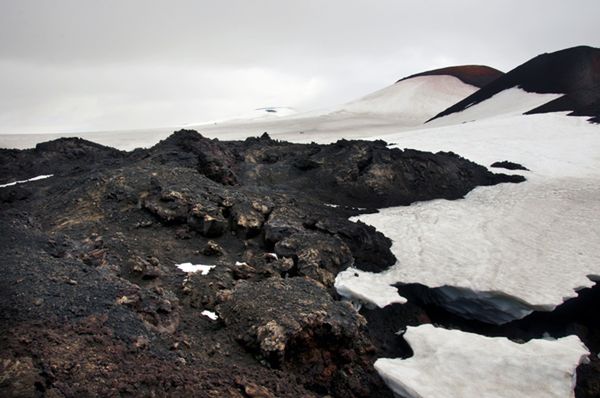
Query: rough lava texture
[299, 326]
[93, 304]
[505, 164]
[574, 72]
[64, 155]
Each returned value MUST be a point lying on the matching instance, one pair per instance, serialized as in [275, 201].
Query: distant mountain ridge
[475, 75]
[574, 72]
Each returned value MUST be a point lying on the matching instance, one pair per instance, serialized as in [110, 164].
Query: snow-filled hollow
[452, 363]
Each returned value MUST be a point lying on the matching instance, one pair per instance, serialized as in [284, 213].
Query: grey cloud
[81, 64]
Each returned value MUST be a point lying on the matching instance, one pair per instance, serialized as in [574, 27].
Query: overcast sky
[79, 65]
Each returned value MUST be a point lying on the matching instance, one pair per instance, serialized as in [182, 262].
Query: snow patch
[361, 286]
[41, 177]
[452, 363]
[192, 268]
[210, 315]
[504, 250]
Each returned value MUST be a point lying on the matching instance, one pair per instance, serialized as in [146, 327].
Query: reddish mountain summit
[475, 75]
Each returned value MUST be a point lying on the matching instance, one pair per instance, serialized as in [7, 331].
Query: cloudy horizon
[76, 66]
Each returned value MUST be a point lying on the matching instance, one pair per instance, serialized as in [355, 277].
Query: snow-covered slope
[504, 250]
[403, 105]
[412, 101]
[451, 363]
[258, 114]
[509, 102]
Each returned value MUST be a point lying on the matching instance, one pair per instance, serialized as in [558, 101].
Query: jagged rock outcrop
[294, 324]
[93, 259]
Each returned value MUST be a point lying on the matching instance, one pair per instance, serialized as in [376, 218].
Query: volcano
[573, 74]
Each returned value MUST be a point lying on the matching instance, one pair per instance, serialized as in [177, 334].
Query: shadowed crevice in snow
[496, 311]
[491, 307]
[575, 316]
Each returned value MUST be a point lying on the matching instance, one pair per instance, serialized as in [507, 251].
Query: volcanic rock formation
[93, 304]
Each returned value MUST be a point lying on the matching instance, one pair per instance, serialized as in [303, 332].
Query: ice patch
[28, 180]
[355, 285]
[452, 363]
[192, 268]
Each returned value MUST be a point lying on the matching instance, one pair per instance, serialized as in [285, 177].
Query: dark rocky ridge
[574, 72]
[475, 75]
[91, 302]
[64, 155]
[505, 164]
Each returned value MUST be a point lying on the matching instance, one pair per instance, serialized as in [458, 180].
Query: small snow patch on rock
[192, 268]
[28, 180]
[210, 314]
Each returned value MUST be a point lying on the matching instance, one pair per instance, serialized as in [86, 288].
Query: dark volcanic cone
[574, 72]
[475, 75]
